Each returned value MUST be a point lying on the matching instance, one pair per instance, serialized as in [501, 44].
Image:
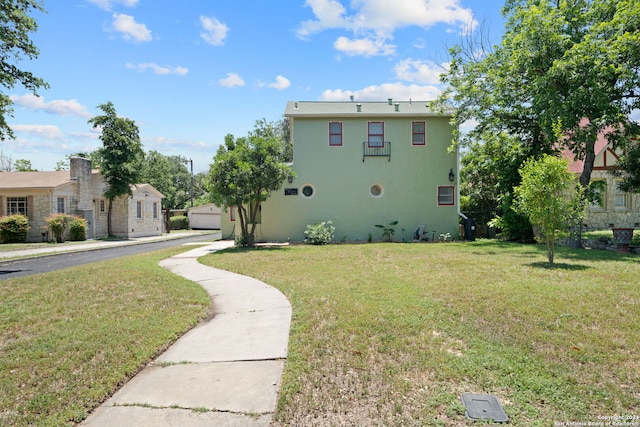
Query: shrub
[14, 229]
[387, 230]
[179, 222]
[320, 233]
[78, 228]
[57, 224]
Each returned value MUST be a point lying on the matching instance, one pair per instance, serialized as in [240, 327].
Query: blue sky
[190, 72]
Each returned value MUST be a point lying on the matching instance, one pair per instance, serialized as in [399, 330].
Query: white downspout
[458, 183]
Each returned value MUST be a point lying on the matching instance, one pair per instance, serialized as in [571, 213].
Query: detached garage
[205, 217]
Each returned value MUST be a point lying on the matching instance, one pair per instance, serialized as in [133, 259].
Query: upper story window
[60, 204]
[418, 133]
[375, 136]
[335, 134]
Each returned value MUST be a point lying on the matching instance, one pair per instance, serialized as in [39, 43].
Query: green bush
[14, 229]
[320, 233]
[636, 240]
[179, 222]
[57, 224]
[78, 228]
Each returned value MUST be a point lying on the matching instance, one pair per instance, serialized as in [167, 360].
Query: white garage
[205, 217]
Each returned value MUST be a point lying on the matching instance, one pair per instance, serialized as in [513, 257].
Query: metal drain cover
[484, 407]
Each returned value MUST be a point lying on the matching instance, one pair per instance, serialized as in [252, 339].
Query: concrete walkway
[224, 372]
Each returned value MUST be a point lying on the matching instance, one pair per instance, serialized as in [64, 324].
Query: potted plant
[634, 246]
[623, 237]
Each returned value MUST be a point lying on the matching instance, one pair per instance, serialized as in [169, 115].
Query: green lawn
[393, 334]
[69, 338]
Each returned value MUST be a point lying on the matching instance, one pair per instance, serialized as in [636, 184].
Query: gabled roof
[577, 166]
[142, 188]
[40, 180]
[606, 156]
[360, 109]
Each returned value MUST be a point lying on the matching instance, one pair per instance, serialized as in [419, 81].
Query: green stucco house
[359, 164]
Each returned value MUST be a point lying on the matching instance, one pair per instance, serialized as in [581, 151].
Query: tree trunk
[575, 235]
[109, 212]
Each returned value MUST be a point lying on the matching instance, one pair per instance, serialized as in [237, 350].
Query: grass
[393, 334]
[69, 338]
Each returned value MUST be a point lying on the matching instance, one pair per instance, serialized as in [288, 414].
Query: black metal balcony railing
[376, 149]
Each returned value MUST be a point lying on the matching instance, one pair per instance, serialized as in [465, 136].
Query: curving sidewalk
[224, 372]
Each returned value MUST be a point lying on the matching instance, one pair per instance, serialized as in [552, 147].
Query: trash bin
[470, 229]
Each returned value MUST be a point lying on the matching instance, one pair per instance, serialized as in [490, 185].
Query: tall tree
[120, 156]
[565, 71]
[170, 176]
[23, 165]
[6, 163]
[15, 26]
[244, 173]
[628, 167]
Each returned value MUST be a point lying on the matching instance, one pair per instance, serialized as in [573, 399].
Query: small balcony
[377, 149]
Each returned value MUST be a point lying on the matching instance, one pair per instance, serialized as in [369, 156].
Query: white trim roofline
[388, 109]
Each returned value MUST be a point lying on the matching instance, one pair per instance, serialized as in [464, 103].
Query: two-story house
[359, 164]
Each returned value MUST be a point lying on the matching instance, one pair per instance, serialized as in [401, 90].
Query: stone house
[617, 209]
[79, 191]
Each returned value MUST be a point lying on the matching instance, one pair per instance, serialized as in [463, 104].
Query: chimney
[80, 171]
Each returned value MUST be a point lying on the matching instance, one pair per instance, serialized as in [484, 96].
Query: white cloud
[280, 83]
[214, 31]
[43, 131]
[232, 80]
[130, 29]
[58, 107]
[376, 20]
[424, 72]
[382, 92]
[363, 47]
[107, 4]
[329, 14]
[157, 69]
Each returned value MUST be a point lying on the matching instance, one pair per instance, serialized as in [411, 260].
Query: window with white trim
[17, 205]
[155, 210]
[139, 210]
[60, 204]
[598, 188]
[622, 199]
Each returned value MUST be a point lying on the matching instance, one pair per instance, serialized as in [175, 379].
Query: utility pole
[191, 192]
